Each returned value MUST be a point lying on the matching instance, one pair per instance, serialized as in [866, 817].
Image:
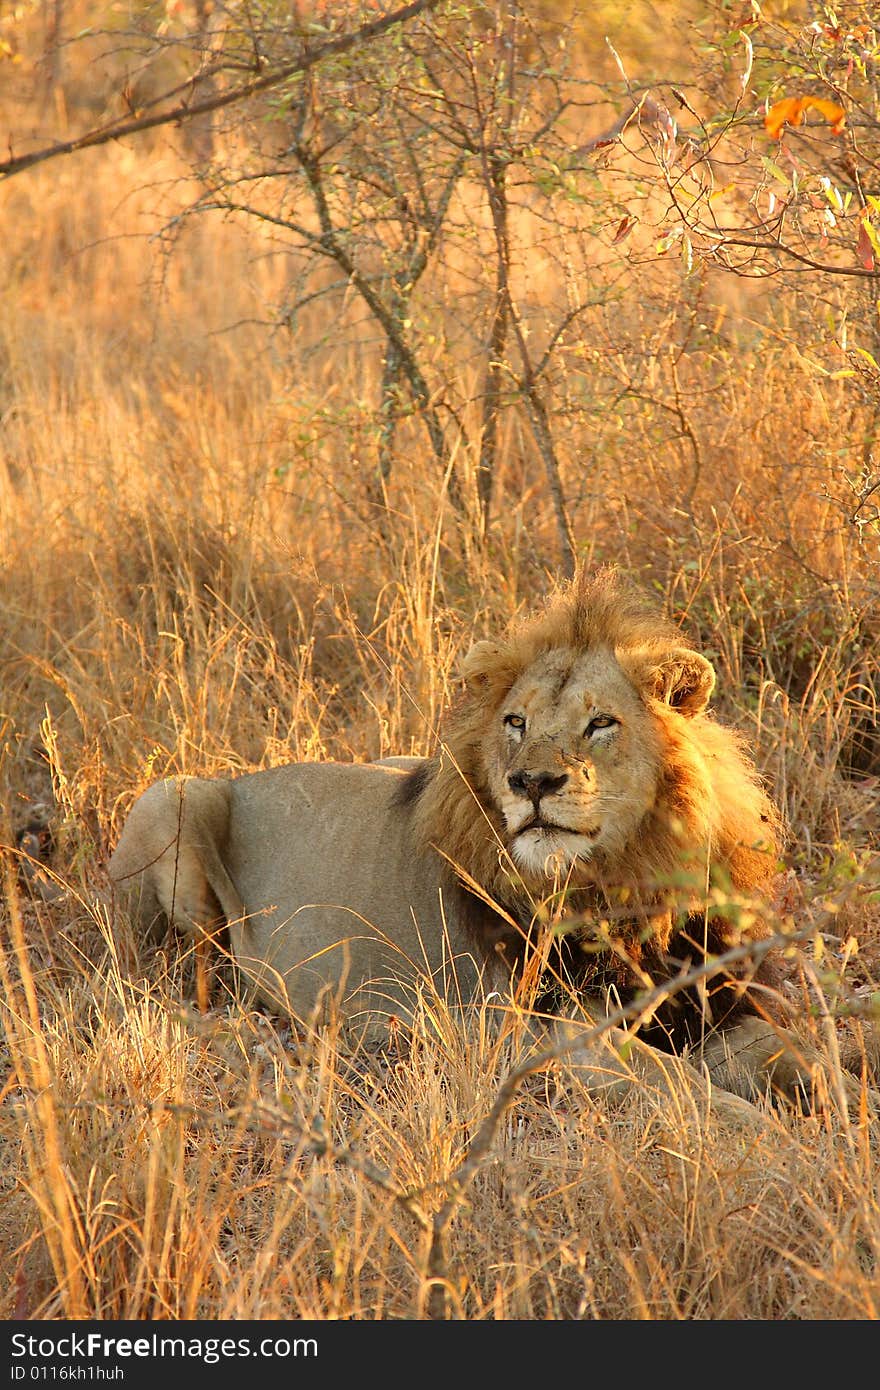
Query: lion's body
[331, 895]
[580, 780]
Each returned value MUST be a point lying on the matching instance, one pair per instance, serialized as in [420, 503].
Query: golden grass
[191, 578]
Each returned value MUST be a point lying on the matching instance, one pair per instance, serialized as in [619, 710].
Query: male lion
[574, 836]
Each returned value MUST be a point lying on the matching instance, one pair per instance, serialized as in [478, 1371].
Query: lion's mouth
[538, 823]
[545, 849]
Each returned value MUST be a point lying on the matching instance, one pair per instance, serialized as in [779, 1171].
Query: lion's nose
[534, 785]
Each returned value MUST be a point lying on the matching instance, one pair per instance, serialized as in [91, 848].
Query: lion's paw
[757, 1056]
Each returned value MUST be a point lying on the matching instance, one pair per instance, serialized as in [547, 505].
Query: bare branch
[781, 248]
[187, 111]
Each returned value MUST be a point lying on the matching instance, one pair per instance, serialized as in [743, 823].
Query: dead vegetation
[195, 576]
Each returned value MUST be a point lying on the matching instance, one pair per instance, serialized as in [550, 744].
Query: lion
[586, 830]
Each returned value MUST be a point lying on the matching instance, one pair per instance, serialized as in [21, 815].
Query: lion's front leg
[756, 1056]
[617, 1064]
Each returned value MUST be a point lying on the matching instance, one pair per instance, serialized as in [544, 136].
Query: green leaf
[774, 170]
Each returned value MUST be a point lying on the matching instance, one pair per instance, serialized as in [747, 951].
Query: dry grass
[191, 579]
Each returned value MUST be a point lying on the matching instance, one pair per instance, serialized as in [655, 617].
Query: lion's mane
[711, 813]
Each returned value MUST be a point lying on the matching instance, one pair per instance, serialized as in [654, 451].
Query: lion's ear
[684, 681]
[487, 663]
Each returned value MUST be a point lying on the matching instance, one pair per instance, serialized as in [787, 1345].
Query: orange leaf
[788, 111]
[834, 114]
[865, 250]
[791, 110]
[865, 245]
[624, 227]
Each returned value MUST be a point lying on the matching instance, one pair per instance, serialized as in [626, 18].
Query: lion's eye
[601, 721]
[515, 721]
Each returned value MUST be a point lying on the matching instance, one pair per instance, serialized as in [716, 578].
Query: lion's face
[574, 758]
[573, 762]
